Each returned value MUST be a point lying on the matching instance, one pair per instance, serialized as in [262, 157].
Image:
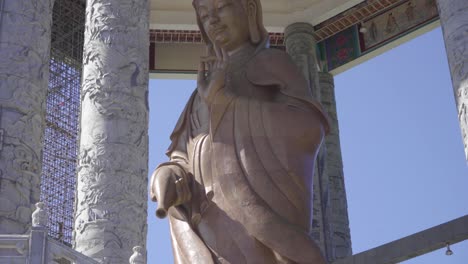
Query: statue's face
[225, 22]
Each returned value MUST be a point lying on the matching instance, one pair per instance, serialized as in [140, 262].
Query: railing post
[138, 256]
[38, 240]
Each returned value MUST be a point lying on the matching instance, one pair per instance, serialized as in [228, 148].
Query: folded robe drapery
[256, 158]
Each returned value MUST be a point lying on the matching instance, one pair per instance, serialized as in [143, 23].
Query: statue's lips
[217, 30]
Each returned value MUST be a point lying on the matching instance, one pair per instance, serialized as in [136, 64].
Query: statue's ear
[253, 25]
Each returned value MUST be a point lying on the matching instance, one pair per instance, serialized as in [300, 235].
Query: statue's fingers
[183, 190]
[209, 50]
[225, 57]
[179, 191]
[209, 62]
[201, 73]
[218, 52]
[220, 62]
[211, 66]
[208, 58]
[186, 190]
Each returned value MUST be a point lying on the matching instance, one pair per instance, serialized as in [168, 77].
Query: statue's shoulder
[275, 67]
[272, 53]
[273, 60]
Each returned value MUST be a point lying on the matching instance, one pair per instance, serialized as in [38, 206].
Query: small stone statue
[39, 216]
[238, 186]
[138, 256]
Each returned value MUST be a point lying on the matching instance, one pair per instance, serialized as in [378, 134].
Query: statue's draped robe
[250, 158]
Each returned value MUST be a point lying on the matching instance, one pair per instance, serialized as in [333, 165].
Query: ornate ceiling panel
[179, 15]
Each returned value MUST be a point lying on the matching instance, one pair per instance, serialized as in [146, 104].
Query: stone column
[300, 45]
[337, 209]
[330, 227]
[111, 204]
[454, 20]
[25, 29]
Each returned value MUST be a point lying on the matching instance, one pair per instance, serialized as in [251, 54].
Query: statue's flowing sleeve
[187, 246]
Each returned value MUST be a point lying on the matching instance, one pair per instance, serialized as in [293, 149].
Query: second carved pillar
[111, 206]
[454, 21]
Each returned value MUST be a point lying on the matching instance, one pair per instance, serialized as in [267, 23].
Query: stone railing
[36, 247]
[61, 254]
[14, 249]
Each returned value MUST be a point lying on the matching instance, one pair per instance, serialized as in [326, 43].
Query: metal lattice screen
[62, 117]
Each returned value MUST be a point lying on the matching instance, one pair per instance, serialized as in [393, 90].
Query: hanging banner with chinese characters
[376, 32]
[394, 23]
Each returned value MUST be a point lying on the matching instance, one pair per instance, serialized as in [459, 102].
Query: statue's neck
[240, 56]
[235, 79]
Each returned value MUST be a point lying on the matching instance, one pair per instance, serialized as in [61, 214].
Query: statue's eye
[203, 16]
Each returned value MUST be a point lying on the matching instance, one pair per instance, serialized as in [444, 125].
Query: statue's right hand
[212, 74]
[169, 188]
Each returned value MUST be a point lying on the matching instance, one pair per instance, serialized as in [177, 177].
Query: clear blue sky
[403, 156]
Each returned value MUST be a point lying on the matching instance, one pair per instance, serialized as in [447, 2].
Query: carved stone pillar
[337, 208]
[330, 227]
[25, 29]
[111, 205]
[300, 45]
[454, 21]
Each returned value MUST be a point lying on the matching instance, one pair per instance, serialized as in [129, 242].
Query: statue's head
[230, 24]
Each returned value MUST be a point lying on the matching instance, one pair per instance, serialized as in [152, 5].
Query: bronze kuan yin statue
[238, 186]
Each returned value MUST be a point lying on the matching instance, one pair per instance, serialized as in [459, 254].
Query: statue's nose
[214, 17]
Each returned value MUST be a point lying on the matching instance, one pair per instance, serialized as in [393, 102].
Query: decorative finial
[448, 252]
[138, 256]
[39, 216]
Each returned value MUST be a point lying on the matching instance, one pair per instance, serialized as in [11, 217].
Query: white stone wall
[25, 29]
[454, 21]
[111, 204]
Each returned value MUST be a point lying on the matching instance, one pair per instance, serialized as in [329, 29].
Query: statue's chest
[238, 84]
